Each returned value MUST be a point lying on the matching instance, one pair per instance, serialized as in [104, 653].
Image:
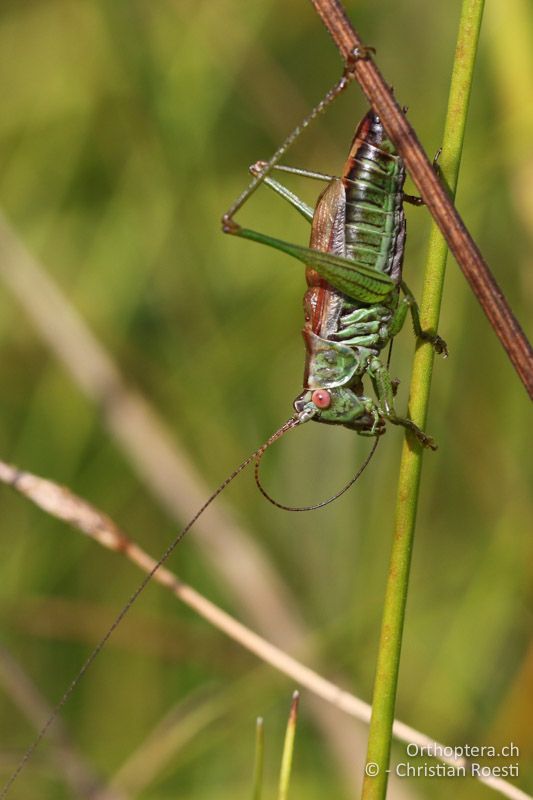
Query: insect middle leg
[384, 388]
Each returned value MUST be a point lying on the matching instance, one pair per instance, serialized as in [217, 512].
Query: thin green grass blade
[386, 680]
[288, 749]
[259, 759]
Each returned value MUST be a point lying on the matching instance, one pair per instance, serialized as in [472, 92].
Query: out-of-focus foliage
[126, 130]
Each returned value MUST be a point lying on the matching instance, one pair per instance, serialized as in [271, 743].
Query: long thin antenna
[291, 423]
[323, 503]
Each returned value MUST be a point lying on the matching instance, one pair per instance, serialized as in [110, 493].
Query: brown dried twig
[460, 242]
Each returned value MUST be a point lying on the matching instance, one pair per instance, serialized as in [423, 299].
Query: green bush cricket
[353, 309]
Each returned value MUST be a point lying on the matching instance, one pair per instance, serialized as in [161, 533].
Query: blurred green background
[126, 130]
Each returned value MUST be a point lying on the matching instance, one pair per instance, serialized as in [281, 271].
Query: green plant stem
[259, 759]
[386, 680]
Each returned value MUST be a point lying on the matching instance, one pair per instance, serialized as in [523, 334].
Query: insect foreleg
[384, 389]
[409, 302]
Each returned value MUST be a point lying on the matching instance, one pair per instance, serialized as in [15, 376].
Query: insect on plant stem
[357, 300]
[355, 304]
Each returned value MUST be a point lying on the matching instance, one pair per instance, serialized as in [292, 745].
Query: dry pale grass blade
[65, 505]
[77, 773]
[166, 471]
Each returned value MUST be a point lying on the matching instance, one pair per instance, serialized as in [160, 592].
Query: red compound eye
[321, 398]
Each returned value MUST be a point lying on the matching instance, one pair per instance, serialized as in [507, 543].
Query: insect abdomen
[373, 178]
